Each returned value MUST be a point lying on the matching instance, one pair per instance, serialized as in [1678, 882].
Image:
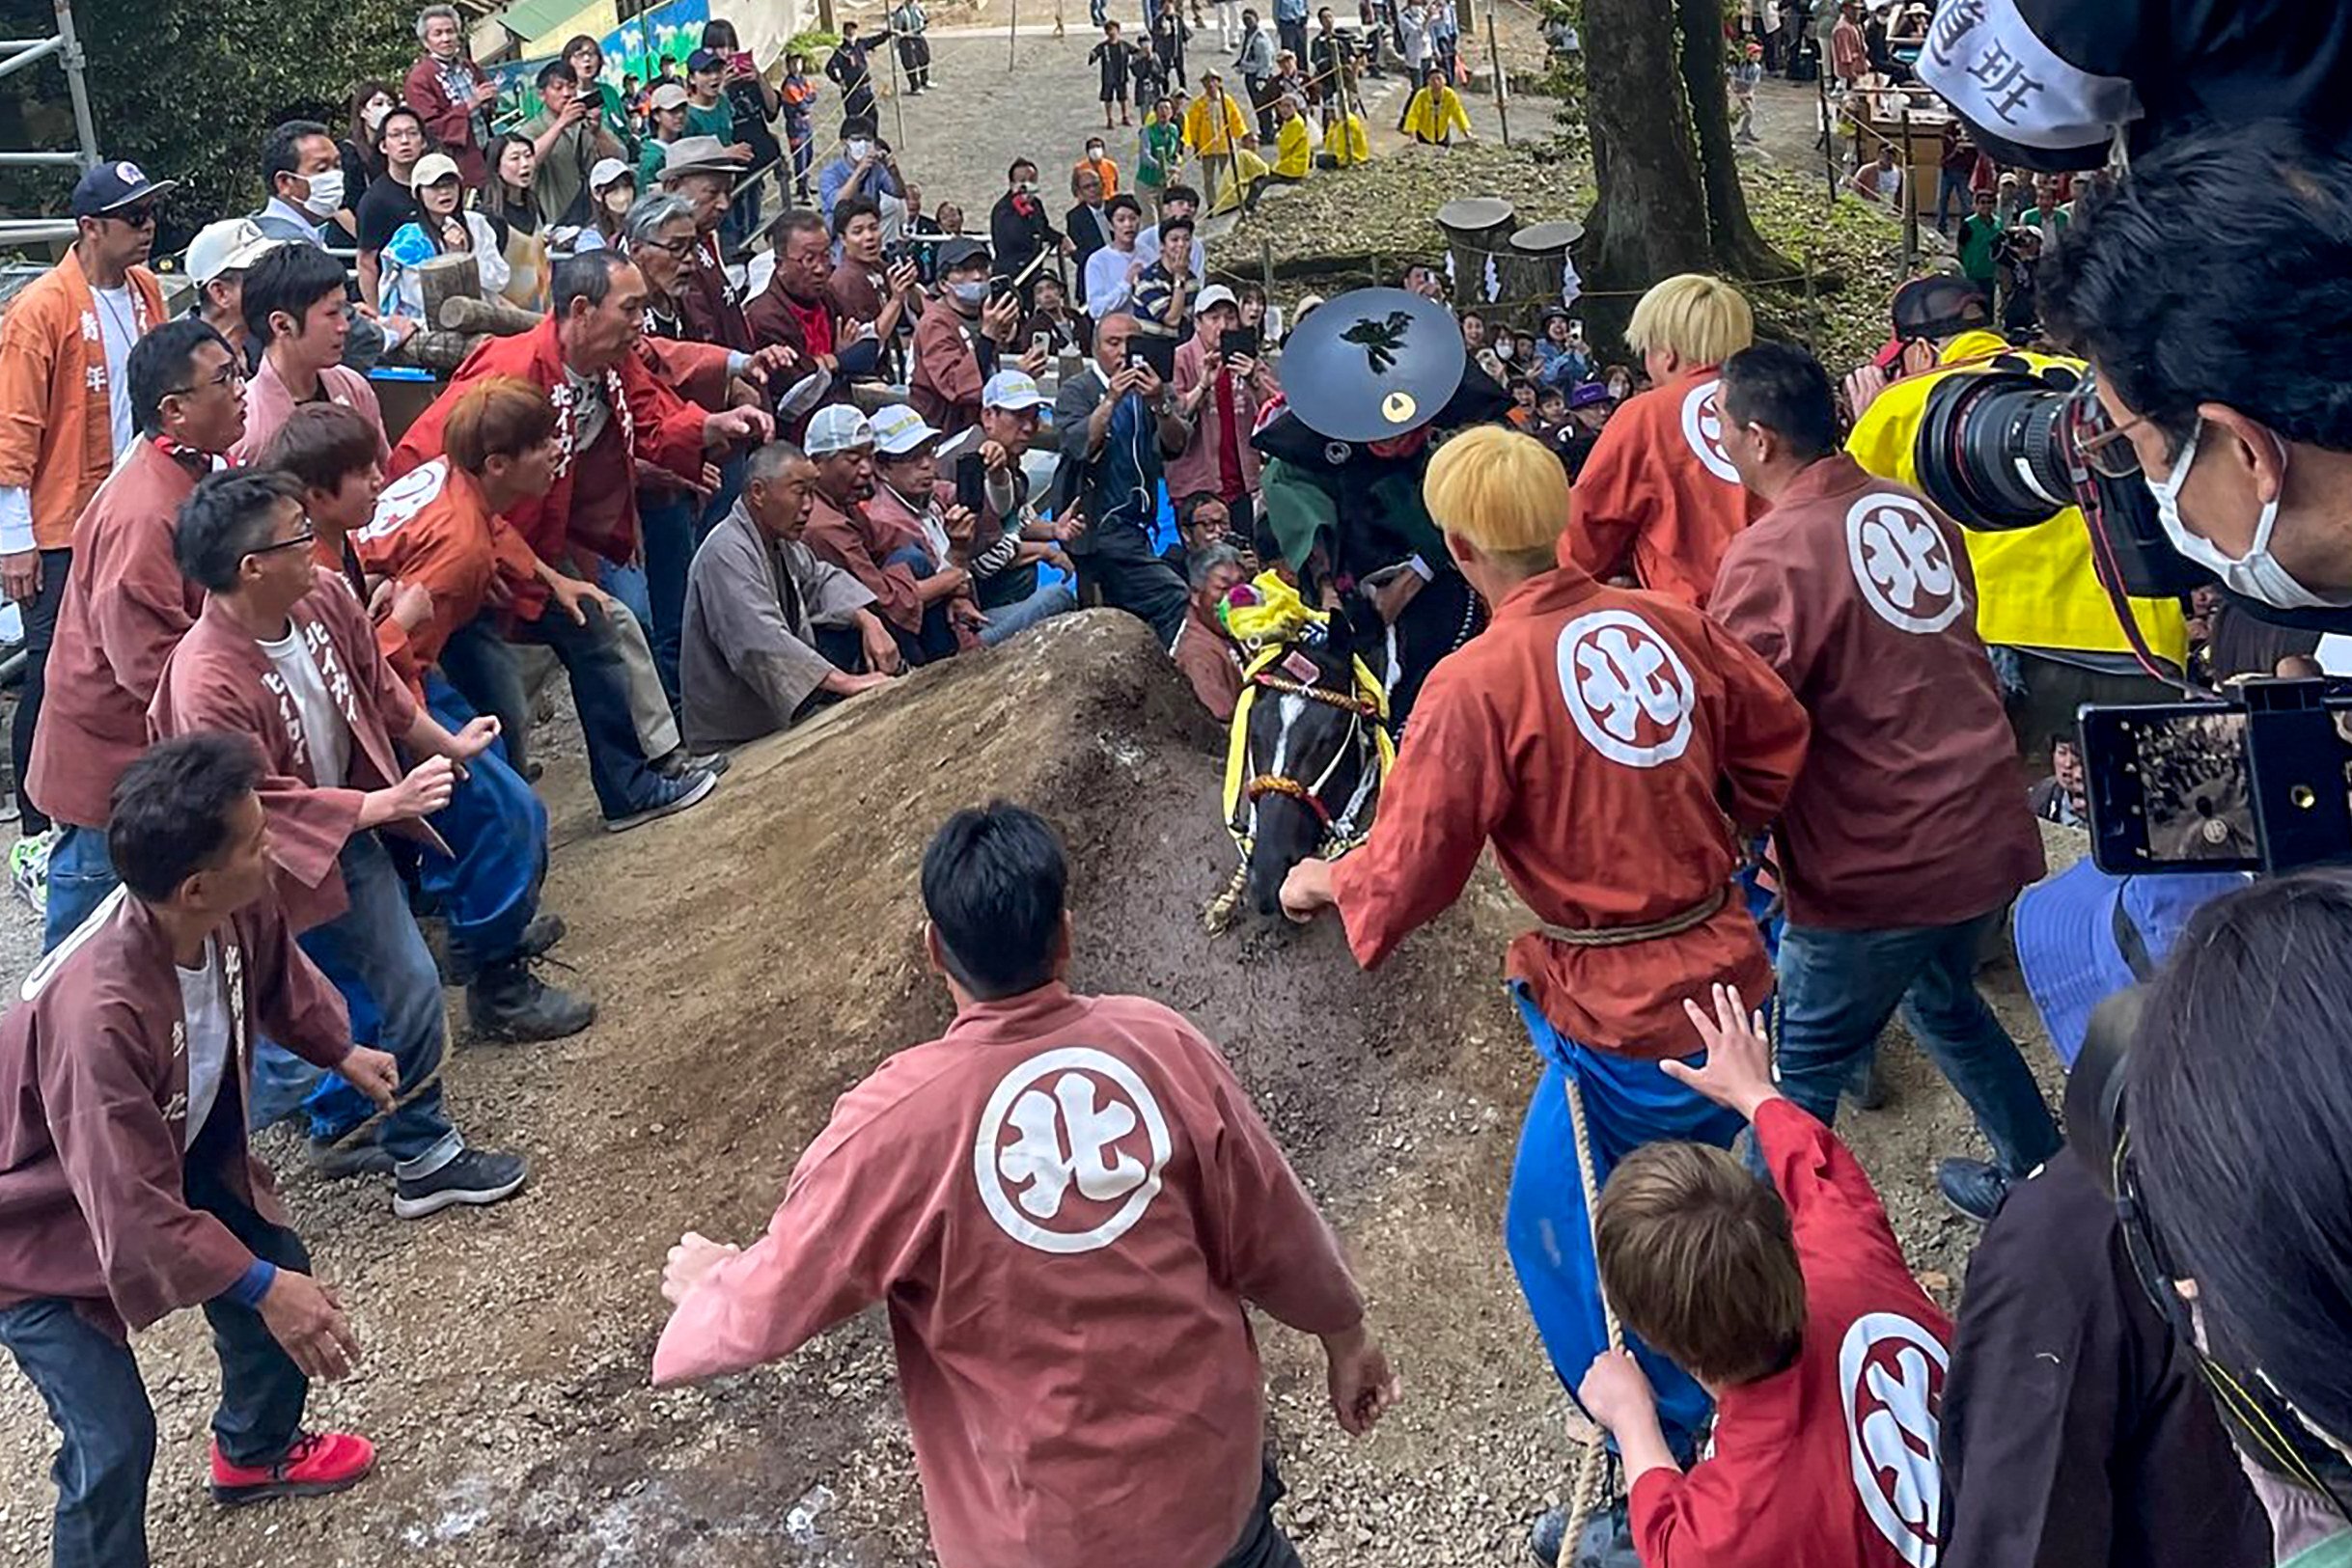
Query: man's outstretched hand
[1737, 1073]
[1363, 1386]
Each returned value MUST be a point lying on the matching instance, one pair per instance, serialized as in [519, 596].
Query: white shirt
[119, 328]
[324, 730]
[1108, 288]
[1148, 246]
[204, 1013]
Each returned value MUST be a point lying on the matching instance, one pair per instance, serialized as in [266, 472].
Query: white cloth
[324, 730]
[591, 412]
[118, 327]
[16, 520]
[203, 1014]
[1107, 286]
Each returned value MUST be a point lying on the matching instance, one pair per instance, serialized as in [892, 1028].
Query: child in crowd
[1797, 1313]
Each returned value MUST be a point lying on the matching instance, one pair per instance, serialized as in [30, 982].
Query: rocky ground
[754, 957]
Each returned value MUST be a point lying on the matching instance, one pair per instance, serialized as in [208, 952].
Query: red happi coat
[1657, 496]
[94, 1106]
[592, 505]
[219, 678]
[1612, 745]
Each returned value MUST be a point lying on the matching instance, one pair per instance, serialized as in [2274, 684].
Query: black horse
[1311, 764]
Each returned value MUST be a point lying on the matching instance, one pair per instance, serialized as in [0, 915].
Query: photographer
[2041, 608]
[2241, 1153]
[2224, 368]
[1117, 424]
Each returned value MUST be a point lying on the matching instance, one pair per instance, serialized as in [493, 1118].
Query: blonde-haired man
[1658, 500]
[1580, 709]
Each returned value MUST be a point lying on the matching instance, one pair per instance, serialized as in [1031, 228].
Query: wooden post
[1812, 308]
[1911, 196]
[1494, 56]
[825, 20]
[1013, 34]
[1829, 133]
[897, 99]
[1266, 258]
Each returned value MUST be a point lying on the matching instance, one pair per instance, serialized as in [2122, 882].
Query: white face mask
[326, 194]
[2257, 574]
[858, 149]
[1502, 350]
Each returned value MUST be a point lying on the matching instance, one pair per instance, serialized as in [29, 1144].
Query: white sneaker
[28, 869]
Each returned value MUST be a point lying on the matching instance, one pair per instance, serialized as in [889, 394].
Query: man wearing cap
[1219, 397]
[1906, 835]
[1117, 423]
[771, 627]
[615, 413]
[2039, 603]
[703, 170]
[1012, 543]
[65, 417]
[849, 69]
[1658, 501]
[925, 601]
[1589, 407]
[960, 342]
[216, 263]
[568, 135]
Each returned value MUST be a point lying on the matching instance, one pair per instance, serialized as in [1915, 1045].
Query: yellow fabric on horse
[1277, 615]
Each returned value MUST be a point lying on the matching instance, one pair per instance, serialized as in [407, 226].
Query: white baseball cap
[1216, 294]
[430, 170]
[608, 170]
[898, 429]
[1010, 391]
[231, 245]
[837, 427]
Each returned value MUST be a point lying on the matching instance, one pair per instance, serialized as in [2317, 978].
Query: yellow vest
[2035, 586]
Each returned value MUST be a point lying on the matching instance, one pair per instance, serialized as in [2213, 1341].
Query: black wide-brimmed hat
[1372, 365]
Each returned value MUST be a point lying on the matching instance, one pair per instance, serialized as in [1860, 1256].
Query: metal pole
[1494, 54]
[85, 129]
[897, 97]
[1013, 34]
[1911, 194]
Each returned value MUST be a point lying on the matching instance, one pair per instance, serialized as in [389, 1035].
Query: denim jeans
[937, 639]
[671, 527]
[1949, 185]
[90, 1381]
[1049, 600]
[376, 940]
[81, 874]
[482, 667]
[1839, 988]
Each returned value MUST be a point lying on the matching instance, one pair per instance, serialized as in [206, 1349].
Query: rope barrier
[1589, 1492]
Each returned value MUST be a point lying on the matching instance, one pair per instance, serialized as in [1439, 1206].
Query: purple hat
[1590, 394]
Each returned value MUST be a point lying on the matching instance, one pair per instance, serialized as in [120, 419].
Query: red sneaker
[314, 1467]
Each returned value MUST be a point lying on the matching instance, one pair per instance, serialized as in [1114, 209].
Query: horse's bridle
[1340, 832]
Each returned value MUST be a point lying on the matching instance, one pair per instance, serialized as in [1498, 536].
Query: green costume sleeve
[1298, 513]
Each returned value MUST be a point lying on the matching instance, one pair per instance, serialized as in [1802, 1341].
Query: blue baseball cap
[2083, 935]
[106, 186]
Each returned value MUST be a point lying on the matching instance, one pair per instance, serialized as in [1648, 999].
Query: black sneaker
[681, 762]
[665, 797]
[509, 1002]
[339, 1162]
[476, 1176]
[1974, 1187]
[541, 936]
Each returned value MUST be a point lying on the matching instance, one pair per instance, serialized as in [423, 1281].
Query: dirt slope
[753, 959]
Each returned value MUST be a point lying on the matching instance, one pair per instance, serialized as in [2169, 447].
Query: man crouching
[127, 1190]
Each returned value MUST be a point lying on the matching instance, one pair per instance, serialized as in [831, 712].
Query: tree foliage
[187, 90]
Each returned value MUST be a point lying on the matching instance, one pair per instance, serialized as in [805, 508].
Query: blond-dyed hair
[501, 416]
[1502, 491]
[1701, 321]
[1697, 1258]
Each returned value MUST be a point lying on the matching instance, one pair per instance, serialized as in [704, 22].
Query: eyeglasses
[306, 536]
[230, 374]
[2104, 445]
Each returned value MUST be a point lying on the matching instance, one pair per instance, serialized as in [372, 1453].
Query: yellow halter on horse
[1275, 628]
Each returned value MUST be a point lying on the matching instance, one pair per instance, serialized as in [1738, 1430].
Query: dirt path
[753, 959]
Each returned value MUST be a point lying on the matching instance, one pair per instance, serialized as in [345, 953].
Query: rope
[1589, 1490]
[1618, 936]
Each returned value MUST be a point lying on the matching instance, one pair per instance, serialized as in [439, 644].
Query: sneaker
[509, 1003]
[333, 1161]
[28, 869]
[1607, 1541]
[542, 935]
[316, 1465]
[476, 1176]
[1974, 1187]
[668, 796]
[681, 761]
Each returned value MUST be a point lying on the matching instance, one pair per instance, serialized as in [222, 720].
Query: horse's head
[1311, 764]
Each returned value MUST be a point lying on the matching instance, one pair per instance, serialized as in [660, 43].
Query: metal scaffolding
[19, 54]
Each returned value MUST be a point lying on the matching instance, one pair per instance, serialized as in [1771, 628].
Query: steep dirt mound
[754, 957]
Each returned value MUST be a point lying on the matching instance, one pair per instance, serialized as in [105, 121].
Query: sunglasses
[139, 216]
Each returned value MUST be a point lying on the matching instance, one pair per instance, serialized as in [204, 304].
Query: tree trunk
[1650, 219]
[1739, 250]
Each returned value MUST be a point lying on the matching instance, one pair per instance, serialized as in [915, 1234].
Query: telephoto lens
[1992, 448]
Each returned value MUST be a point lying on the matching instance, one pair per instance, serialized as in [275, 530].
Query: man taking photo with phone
[1117, 425]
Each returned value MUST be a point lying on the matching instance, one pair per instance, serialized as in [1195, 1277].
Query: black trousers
[40, 631]
[1262, 1544]
[915, 59]
[1119, 570]
[262, 1391]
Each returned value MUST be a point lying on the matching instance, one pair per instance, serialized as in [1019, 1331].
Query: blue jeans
[81, 874]
[1949, 185]
[90, 1381]
[376, 940]
[670, 526]
[1839, 988]
[937, 639]
[1049, 600]
[482, 667]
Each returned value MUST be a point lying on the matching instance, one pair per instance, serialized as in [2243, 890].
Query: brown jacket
[125, 607]
[219, 678]
[94, 1082]
[946, 382]
[1208, 658]
[56, 424]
